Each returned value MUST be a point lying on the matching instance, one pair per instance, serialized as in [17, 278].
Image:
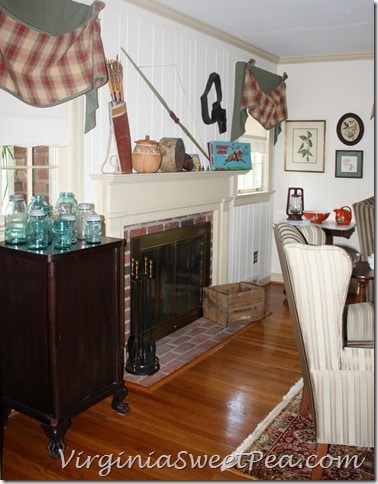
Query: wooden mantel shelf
[128, 199]
[180, 176]
[143, 197]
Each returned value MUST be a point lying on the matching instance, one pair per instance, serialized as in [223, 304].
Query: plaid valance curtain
[260, 93]
[51, 51]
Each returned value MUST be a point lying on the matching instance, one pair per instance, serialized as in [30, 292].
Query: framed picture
[305, 146]
[348, 164]
[350, 129]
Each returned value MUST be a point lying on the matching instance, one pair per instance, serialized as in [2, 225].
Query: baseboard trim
[275, 277]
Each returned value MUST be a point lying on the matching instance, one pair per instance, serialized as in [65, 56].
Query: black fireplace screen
[180, 260]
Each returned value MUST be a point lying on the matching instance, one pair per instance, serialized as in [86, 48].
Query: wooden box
[234, 303]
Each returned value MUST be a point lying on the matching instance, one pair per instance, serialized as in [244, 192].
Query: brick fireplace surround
[151, 228]
[135, 204]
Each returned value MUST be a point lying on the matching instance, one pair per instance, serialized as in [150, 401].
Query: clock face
[350, 129]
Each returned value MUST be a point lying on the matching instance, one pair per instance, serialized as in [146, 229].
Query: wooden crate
[234, 303]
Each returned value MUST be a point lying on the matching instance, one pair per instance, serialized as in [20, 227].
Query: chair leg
[305, 402]
[317, 471]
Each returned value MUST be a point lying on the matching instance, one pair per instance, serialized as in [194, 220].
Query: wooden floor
[205, 411]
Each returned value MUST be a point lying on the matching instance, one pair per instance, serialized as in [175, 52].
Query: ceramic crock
[146, 157]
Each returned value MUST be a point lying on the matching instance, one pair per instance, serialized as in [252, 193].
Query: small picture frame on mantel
[349, 164]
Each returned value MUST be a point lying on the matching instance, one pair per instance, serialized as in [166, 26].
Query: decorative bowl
[316, 217]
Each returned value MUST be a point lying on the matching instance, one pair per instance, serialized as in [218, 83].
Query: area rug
[184, 348]
[281, 447]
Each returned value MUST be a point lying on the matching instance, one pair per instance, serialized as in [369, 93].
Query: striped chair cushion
[313, 235]
[359, 324]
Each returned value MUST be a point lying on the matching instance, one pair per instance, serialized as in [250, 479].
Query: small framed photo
[305, 146]
[349, 164]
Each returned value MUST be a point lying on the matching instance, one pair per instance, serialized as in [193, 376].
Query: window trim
[251, 198]
[71, 161]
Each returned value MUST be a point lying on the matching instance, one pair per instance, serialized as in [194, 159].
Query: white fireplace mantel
[128, 199]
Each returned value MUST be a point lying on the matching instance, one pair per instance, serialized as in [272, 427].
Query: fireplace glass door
[180, 261]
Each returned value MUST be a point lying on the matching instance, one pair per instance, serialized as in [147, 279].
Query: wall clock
[350, 129]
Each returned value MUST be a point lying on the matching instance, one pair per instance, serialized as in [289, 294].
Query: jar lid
[147, 141]
[37, 212]
[68, 216]
[84, 206]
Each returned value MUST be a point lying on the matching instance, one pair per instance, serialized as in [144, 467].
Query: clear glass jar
[83, 211]
[93, 229]
[39, 202]
[61, 234]
[66, 203]
[15, 220]
[37, 230]
[72, 225]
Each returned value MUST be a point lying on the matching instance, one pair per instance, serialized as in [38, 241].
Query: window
[253, 180]
[43, 170]
[256, 180]
[27, 171]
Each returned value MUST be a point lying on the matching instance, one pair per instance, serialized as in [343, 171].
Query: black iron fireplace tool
[141, 348]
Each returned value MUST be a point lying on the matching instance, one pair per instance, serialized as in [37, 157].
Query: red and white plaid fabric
[267, 108]
[45, 70]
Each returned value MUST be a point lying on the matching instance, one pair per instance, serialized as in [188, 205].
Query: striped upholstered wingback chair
[285, 233]
[358, 329]
[364, 212]
[341, 377]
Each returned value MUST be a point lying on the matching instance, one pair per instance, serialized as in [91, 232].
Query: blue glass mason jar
[37, 230]
[72, 225]
[65, 204]
[39, 202]
[61, 234]
[15, 220]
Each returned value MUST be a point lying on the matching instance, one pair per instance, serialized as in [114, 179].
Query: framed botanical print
[348, 164]
[305, 146]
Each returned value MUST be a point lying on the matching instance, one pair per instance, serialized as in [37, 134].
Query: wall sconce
[294, 204]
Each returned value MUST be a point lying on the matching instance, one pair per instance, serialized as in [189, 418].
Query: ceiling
[288, 28]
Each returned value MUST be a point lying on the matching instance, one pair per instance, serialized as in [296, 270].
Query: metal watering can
[343, 215]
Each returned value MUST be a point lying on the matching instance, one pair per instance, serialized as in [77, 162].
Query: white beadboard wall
[178, 61]
[250, 231]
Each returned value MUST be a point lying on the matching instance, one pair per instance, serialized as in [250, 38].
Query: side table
[363, 274]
